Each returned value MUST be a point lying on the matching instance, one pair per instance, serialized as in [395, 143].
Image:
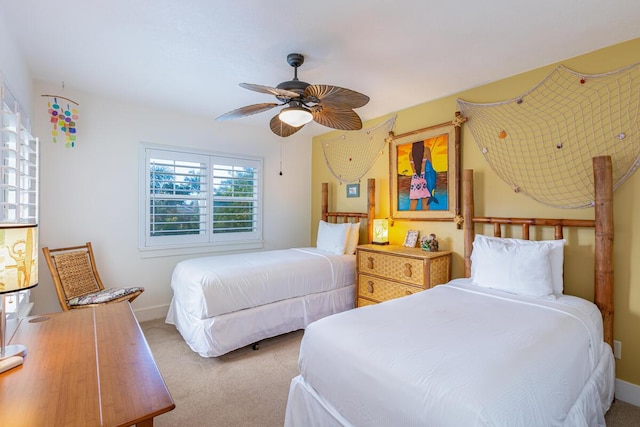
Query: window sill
[156, 252]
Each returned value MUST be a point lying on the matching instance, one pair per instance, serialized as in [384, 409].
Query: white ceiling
[190, 55]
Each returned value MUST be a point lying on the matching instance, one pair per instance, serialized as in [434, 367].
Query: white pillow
[513, 268]
[353, 238]
[556, 257]
[332, 237]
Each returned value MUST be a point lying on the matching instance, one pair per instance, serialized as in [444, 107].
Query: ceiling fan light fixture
[295, 116]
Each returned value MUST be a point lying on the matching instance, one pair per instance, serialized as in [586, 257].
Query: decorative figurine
[429, 243]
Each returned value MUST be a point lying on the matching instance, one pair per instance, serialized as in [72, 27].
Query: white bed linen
[225, 302]
[218, 335]
[455, 355]
[210, 286]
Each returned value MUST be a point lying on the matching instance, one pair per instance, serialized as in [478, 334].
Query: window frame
[151, 246]
[21, 177]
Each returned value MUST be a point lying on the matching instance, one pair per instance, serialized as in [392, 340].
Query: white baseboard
[628, 392]
[151, 313]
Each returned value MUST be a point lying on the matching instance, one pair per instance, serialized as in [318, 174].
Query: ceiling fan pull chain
[280, 157]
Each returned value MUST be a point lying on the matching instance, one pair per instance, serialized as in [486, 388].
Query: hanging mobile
[64, 118]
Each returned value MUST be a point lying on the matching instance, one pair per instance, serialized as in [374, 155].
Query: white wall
[90, 192]
[13, 69]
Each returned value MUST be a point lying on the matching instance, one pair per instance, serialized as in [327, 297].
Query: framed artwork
[424, 175]
[411, 239]
[353, 190]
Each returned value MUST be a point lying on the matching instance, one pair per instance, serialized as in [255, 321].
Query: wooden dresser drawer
[377, 289]
[410, 270]
[387, 272]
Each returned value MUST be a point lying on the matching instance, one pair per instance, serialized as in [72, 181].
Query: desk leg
[145, 423]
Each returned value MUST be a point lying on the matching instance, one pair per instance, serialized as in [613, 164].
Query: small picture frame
[411, 239]
[353, 190]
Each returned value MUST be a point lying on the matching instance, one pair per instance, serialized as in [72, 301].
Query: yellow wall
[494, 197]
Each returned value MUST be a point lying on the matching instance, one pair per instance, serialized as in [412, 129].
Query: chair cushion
[103, 296]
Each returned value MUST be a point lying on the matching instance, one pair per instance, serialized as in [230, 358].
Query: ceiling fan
[327, 105]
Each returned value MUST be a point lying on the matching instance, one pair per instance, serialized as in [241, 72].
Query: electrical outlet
[617, 349]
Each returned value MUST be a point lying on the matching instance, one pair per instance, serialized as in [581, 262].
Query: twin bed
[503, 346]
[221, 303]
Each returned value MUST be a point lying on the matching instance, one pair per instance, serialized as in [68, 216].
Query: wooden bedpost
[335, 216]
[325, 201]
[468, 214]
[603, 188]
[371, 207]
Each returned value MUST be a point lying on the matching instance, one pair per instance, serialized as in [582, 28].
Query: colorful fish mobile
[64, 122]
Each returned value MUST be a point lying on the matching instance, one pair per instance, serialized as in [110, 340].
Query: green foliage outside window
[179, 207]
[234, 201]
[172, 210]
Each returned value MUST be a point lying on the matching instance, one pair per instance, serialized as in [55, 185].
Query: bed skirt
[218, 335]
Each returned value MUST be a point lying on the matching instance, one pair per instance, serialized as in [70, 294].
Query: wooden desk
[84, 367]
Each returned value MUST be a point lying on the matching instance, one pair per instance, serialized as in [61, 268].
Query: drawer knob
[370, 286]
[408, 292]
[407, 270]
[370, 263]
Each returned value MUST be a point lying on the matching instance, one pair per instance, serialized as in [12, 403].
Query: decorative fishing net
[351, 155]
[542, 142]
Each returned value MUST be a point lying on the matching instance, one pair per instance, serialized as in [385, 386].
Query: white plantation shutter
[178, 190]
[18, 164]
[195, 198]
[19, 174]
[236, 201]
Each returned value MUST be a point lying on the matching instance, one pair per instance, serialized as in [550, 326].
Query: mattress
[455, 355]
[225, 302]
[210, 286]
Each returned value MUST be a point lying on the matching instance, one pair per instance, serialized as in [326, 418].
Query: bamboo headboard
[352, 216]
[603, 225]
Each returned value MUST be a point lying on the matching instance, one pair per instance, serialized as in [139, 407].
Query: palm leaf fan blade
[247, 111]
[282, 129]
[270, 90]
[336, 118]
[337, 97]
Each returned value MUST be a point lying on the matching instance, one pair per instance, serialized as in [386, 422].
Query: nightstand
[387, 272]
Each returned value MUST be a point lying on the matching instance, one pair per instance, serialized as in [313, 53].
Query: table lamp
[380, 232]
[18, 272]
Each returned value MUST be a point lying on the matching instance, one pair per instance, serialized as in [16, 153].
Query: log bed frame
[352, 216]
[603, 225]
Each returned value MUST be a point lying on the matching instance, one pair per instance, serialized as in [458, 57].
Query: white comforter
[455, 355]
[210, 286]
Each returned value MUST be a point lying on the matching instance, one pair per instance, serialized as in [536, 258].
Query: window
[18, 164]
[196, 199]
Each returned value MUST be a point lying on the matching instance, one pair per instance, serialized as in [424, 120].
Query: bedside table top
[403, 250]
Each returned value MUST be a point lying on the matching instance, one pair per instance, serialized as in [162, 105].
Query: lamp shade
[18, 272]
[295, 116]
[380, 231]
[18, 257]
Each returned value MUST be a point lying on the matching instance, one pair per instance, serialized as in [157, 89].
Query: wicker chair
[77, 282]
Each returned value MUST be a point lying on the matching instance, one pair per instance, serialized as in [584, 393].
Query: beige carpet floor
[246, 387]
